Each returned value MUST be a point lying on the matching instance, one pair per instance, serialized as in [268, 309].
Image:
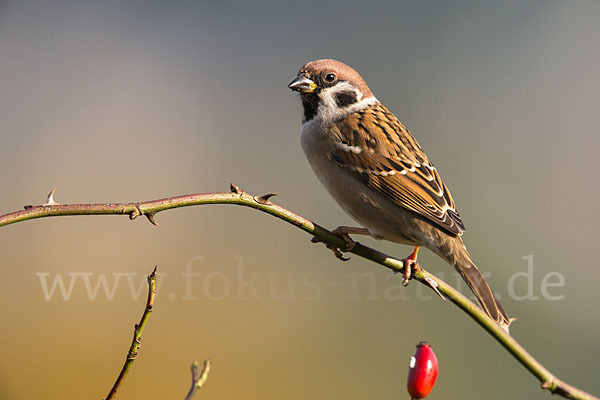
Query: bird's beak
[302, 85]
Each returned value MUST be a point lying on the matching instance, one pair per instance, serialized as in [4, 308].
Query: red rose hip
[422, 371]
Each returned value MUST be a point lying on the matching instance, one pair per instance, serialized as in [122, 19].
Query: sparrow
[377, 172]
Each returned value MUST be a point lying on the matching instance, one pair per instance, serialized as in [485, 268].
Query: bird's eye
[330, 78]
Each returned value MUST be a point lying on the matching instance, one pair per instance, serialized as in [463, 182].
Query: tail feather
[484, 294]
[455, 252]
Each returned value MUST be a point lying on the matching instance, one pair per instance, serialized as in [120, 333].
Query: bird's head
[328, 88]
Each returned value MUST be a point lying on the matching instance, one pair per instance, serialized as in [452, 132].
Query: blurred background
[118, 101]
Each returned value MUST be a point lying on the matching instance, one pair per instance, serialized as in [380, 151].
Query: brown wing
[390, 161]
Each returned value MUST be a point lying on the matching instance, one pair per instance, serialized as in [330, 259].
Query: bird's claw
[407, 273]
[410, 264]
[337, 252]
[344, 232]
[350, 244]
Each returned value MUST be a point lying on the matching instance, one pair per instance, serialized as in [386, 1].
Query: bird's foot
[337, 252]
[410, 264]
[344, 232]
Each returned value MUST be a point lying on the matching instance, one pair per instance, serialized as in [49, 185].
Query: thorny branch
[238, 197]
[137, 335]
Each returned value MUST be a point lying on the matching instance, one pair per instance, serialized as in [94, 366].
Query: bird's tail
[484, 294]
[461, 260]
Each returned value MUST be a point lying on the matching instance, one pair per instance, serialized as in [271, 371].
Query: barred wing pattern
[390, 161]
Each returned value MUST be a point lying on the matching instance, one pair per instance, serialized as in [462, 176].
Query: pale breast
[367, 207]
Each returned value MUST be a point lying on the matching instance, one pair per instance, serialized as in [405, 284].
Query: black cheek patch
[344, 99]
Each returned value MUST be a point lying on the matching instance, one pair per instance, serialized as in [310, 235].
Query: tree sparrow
[375, 169]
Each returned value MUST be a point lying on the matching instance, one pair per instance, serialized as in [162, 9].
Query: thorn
[235, 189]
[546, 385]
[264, 199]
[50, 199]
[434, 285]
[151, 219]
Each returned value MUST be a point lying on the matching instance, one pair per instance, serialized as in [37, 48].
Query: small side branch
[198, 378]
[137, 335]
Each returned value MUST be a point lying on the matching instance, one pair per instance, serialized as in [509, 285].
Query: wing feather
[391, 162]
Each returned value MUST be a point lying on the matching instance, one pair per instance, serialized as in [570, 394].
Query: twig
[239, 197]
[198, 379]
[137, 335]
